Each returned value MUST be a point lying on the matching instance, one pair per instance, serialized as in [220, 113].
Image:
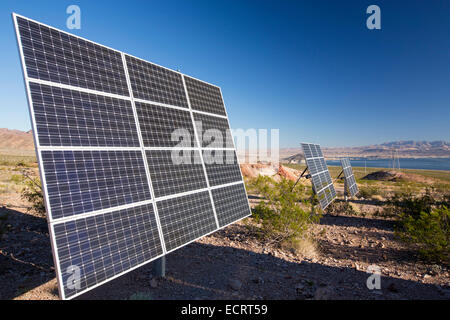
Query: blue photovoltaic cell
[165, 127]
[349, 177]
[175, 171]
[105, 245]
[221, 166]
[58, 57]
[84, 181]
[320, 176]
[231, 204]
[204, 97]
[214, 131]
[72, 118]
[99, 145]
[154, 83]
[186, 218]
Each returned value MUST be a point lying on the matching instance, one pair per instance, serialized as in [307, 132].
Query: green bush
[279, 213]
[341, 207]
[407, 204]
[429, 231]
[367, 192]
[32, 192]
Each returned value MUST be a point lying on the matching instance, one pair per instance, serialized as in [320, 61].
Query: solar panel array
[320, 176]
[349, 177]
[126, 172]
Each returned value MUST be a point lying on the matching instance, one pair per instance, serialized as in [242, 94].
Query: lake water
[405, 163]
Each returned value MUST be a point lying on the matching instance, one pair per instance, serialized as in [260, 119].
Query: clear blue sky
[309, 68]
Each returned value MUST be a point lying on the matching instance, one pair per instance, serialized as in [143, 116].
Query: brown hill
[16, 141]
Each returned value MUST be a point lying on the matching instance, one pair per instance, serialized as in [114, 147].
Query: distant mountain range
[20, 142]
[402, 149]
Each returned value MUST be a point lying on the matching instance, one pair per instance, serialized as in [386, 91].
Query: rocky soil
[234, 264]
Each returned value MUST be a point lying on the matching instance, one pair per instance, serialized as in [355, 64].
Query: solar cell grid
[154, 83]
[105, 245]
[84, 181]
[215, 131]
[72, 118]
[320, 176]
[221, 166]
[204, 97]
[231, 203]
[175, 171]
[349, 176]
[186, 218]
[104, 153]
[165, 127]
[58, 57]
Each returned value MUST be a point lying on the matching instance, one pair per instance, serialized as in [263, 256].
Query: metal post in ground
[159, 267]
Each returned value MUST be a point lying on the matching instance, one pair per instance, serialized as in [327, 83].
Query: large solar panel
[349, 177]
[126, 173]
[320, 176]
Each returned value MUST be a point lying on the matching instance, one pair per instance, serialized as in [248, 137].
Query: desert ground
[235, 263]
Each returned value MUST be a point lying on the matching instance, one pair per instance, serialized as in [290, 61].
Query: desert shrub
[280, 214]
[408, 204]
[16, 178]
[367, 192]
[32, 192]
[341, 207]
[422, 220]
[429, 231]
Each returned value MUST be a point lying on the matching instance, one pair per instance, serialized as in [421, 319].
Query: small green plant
[367, 192]
[279, 213]
[407, 204]
[341, 207]
[32, 192]
[429, 231]
[16, 178]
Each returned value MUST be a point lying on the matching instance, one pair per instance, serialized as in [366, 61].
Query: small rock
[235, 284]
[153, 283]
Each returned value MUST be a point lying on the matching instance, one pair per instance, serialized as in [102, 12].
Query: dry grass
[304, 247]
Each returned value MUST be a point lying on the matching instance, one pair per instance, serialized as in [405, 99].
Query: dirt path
[231, 264]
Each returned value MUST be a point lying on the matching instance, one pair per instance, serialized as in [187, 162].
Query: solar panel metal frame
[319, 189]
[349, 176]
[153, 201]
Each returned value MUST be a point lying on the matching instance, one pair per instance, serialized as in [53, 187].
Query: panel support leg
[159, 267]
[346, 190]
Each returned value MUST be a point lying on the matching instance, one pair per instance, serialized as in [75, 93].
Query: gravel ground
[233, 264]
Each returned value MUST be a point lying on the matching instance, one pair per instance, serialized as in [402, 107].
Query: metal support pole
[345, 190]
[159, 267]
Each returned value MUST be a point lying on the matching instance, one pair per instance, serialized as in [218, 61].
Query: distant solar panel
[126, 174]
[320, 176]
[349, 177]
